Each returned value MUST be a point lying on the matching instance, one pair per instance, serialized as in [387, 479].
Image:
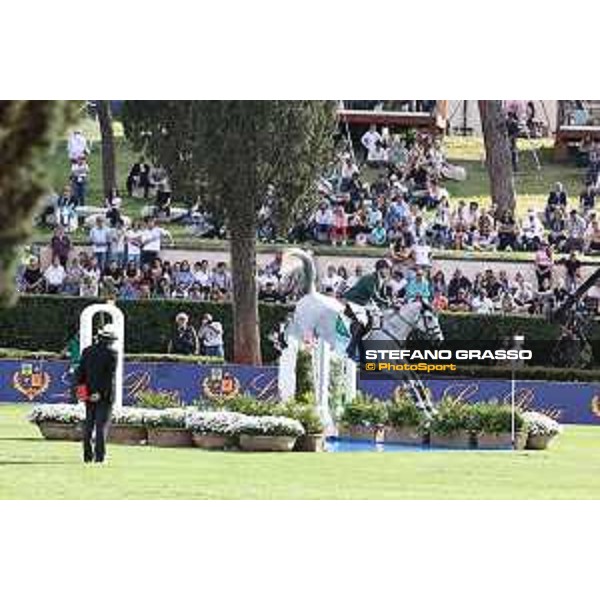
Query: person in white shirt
[152, 240]
[55, 276]
[79, 175]
[77, 146]
[203, 276]
[533, 231]
[330, 284]
[100, 240]
[370, 140]
[210, 335]
[133, 245]
[482, 304]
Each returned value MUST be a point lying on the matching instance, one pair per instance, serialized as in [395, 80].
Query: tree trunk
[246, 332]
[109, 167]
[497, 156]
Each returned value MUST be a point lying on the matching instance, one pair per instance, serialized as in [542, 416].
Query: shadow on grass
[23, 439]
[20, 463]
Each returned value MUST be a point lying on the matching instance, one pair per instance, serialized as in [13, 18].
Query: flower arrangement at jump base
[59, 421]
[363, 418]
[167, 427]
[214, 430]
[276, 434]
[456, 424]
[541, 430]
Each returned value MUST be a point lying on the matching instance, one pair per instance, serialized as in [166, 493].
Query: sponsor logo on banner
[31, 380]
[220, 384]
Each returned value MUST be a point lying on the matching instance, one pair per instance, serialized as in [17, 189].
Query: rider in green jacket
[369, 290]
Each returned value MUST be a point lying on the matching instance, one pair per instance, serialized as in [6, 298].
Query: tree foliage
[28, 129]
[228, 152]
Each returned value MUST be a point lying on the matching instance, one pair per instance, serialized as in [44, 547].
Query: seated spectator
[544, 264]
[481, 303]
[203, 276]
[587, 199]
[592, 236]
[507, 232]
[55, 276]
[378, 235]
[32, 280]
[185, 277]
[339, 228]
[575, 230]
[184, 339]
[88, 287]
[462, 301]
[210, 335]
[457, 283]
[523, 293]
[418, 287]
[269, 293]
[323, 222]
[352, 279]
[572, 266]
[557, 236]
[440, 301]
[74, 275]
[532, 231]
[331, 283]
[421, 254]
[557, 198]
[221, 278]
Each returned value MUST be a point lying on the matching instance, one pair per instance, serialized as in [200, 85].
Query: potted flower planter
[361, 432]
[267, 443]
[409, 436]
[311, 442]
[169, 437]
[461, 440]
[501, 441]
[127, 434]
[211, 441]
[53, 430]
[539, 441]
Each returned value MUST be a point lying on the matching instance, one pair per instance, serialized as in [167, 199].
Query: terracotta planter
[127, 434]
[539, 442]
[494, 441]
[409, 436]
[312, 442]
[361, 432]
[169, 437]
[460, 440]
[211, 441]
[51, 430]
[267, 443]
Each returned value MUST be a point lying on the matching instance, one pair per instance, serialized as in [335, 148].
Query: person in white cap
[185, 339]
[96, 371]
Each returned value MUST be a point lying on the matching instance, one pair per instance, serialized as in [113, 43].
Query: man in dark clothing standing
[97, 371]
[185, 339]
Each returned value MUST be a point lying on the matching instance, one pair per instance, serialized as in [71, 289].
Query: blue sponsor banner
[49, 381]
[571, 402]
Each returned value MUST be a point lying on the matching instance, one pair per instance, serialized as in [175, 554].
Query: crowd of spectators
[487, 291]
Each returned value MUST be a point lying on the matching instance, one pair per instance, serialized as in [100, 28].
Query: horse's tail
[309, 270]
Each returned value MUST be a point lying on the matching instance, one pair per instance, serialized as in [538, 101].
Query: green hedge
[46, 322]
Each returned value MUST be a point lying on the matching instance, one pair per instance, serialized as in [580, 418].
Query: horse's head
[422, 316]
